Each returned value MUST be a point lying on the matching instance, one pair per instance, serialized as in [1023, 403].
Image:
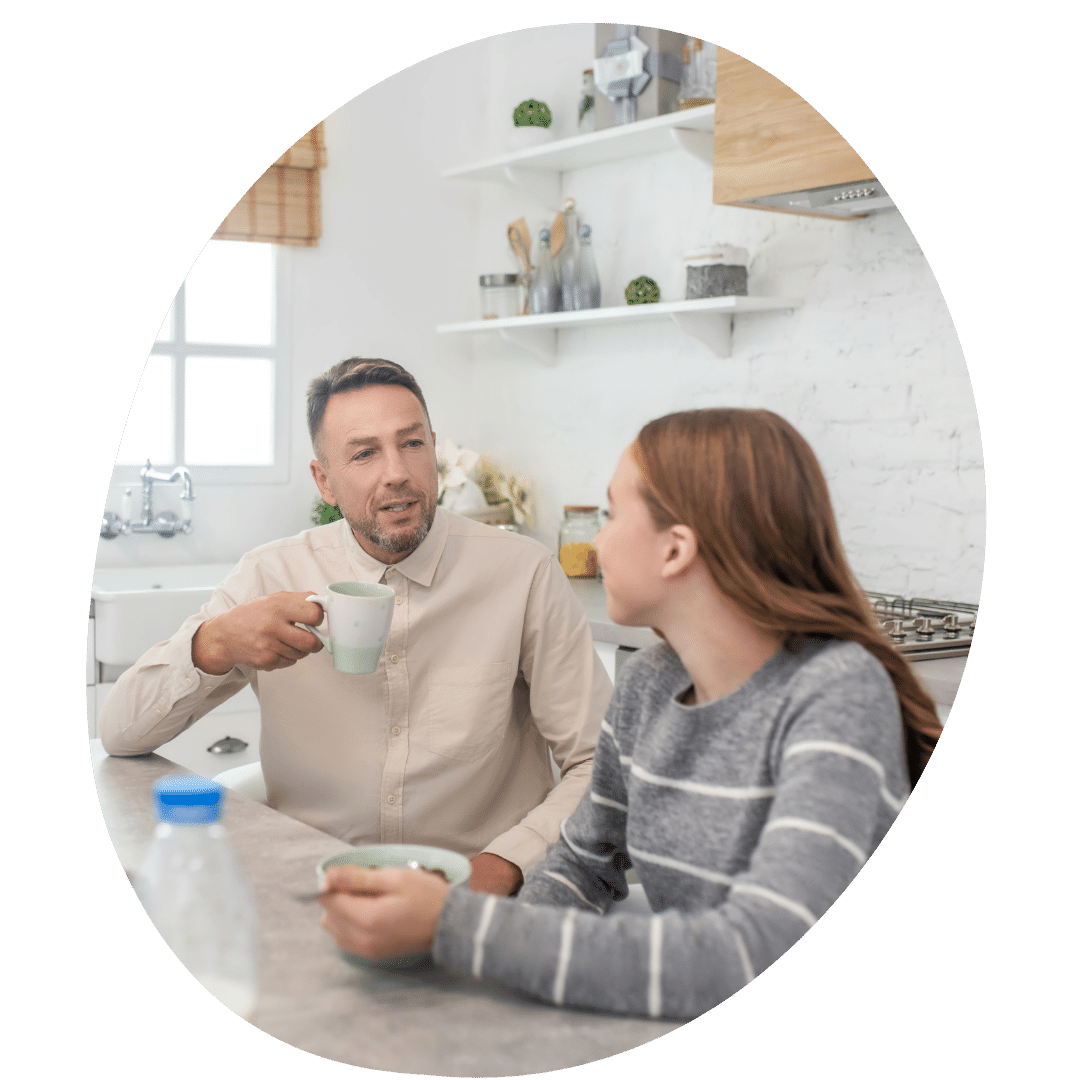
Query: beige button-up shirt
[489, 663]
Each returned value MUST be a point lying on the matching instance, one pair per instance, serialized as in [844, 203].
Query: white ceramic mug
[358, 618]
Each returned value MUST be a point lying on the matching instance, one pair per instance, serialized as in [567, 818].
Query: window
[213, 393]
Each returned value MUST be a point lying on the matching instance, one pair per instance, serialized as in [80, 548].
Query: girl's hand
[378, 914]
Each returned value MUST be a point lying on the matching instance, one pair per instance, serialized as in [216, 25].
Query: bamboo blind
[283, 205]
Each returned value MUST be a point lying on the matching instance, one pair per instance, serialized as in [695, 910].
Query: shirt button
[187, 682]
[393, 659]
[397, 599]
[390, 799]
[395, 731]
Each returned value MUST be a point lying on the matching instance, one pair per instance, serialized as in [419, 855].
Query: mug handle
[322, 601]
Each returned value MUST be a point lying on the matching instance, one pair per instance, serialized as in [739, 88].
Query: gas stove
[925, 629]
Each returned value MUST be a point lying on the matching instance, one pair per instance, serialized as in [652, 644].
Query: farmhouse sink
[138, 606]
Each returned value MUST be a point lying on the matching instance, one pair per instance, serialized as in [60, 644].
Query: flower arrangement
[460, 467]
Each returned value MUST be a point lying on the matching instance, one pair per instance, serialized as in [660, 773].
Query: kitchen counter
[940, 677]
[424, 1021]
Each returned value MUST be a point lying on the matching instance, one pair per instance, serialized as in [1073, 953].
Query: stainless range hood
[837, 200]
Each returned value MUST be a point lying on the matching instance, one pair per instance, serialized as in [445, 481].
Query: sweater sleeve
[837, 779]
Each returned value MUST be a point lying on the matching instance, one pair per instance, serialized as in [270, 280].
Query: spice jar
[577, 554]
[501, 296]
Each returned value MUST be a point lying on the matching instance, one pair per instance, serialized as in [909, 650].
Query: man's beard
[397, 542]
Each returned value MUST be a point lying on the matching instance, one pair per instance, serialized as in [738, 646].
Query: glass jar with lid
[501, 296]
[577, 553]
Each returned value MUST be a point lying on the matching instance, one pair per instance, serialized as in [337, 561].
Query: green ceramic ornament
[642, 290]
[532, 113]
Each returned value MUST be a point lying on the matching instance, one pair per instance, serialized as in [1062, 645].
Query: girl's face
[631, 550]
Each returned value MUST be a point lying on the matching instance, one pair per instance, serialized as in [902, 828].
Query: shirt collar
[419, 566]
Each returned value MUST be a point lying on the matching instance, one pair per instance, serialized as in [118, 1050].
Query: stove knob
[924, 631]
[951, 626]
[895, 629]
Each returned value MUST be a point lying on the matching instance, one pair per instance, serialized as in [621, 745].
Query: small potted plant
[532, 124]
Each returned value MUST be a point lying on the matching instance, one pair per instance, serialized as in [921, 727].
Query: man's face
[379, 468]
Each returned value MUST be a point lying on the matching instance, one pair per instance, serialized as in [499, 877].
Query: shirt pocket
[468, 709]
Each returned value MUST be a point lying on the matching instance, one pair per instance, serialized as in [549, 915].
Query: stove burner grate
[925, 629]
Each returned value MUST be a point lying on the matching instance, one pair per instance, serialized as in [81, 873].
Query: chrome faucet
[165, 523]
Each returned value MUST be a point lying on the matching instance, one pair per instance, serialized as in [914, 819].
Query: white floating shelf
[538, 168]
[708, 320]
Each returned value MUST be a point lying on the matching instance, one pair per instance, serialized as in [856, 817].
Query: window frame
[279, 354]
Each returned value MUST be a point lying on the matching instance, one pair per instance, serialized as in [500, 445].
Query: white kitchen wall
[869, 369]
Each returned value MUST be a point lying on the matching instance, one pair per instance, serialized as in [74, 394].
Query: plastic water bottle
[195, 893]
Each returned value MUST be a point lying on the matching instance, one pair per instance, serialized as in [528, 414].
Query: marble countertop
[940, 677]
[428, 1020]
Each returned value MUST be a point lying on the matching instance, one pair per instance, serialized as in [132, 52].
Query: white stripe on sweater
[608, 802]
[826, 747]
[801, 910]
[486, 913]
[656, 943]
[697, 788]
[555, 876]
[566, 940]
[608, 729]
[744, 956]
[580, 850]
[806, 825]
[676, 864]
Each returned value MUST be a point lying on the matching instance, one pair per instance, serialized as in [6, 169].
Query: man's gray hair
[354, 374]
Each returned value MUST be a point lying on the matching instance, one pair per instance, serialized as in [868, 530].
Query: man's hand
[258, 634]
[378, 914]
[494, 874]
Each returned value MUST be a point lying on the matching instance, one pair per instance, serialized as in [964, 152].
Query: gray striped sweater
[745, 818]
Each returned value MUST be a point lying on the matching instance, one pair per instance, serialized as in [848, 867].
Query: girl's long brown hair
[749, 486]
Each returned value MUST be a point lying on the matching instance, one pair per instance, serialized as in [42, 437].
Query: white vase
[464, 499]
[520, 138]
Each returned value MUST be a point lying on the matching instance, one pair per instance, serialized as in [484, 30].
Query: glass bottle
[546, 293]
[698, 84]
[195, 894]
[568, 257]
[587, 283]
[577, 554]
[586, 110]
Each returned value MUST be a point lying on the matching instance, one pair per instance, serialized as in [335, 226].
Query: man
[489, 660]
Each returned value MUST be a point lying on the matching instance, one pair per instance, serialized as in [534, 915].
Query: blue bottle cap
[585, 231]
[188, 800]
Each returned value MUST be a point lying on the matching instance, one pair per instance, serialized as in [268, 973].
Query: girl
[747, 766]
